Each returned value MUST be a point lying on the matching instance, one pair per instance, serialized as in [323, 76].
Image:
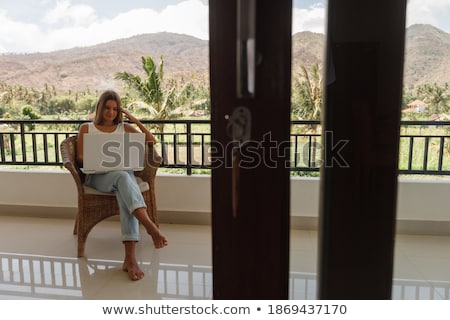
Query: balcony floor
[38, 261]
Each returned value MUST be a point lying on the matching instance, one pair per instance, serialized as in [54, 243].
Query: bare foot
[130, 264]
[159, 240]
[134, 272]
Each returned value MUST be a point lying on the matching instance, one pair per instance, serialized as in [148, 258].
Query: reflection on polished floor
[38, 261]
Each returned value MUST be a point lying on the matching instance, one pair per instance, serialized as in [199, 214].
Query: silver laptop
[113, 152]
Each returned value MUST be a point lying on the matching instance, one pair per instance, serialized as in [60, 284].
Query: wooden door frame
[251, 244]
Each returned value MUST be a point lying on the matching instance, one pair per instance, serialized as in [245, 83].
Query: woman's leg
[130, 264]
[130, 198]
[123, 184]
[132, 209]
[159, 240]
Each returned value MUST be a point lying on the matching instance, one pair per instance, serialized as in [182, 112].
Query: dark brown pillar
[361, 130]
[250, 195]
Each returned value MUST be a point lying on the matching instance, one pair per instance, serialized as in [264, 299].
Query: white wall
[37, 188]
[424, 200]
[181, 193]
[187, 199]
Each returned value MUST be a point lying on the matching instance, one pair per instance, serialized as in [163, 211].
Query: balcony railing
[186, 144]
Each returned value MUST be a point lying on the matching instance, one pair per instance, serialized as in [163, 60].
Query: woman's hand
[129, 116]
[148, 135]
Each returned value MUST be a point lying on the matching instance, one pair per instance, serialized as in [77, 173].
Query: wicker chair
[95, 206]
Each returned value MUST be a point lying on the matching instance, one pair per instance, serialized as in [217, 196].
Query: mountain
[94, 67]
[427, 60]
[427, 54]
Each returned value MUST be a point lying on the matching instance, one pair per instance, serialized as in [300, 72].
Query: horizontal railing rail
[186, 144]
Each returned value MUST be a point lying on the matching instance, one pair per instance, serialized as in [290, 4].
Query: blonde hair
[106, 96]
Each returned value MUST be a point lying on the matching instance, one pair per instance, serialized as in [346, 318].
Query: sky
[28, 26]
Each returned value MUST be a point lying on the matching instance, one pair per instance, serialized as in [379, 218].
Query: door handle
[239, 129]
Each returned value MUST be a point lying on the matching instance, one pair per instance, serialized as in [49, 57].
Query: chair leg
[75, 227]
[81, 245]
[81, 235]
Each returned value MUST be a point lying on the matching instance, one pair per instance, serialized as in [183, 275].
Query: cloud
[190, 16]
[309, 19]
[434, 12]
[80, 15]
[67, 26]
[99, 31]
[14, 34]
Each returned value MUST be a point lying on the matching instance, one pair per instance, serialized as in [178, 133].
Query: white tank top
[93, 129]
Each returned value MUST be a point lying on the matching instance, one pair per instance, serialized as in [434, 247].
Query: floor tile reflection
[39, 262]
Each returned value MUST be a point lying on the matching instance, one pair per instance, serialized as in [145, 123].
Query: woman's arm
[83, 129]
[128, 128]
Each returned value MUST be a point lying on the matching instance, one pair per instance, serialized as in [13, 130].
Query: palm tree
[6, 96]
[307, 99]
[307, 94]
[436, 96]
[161, 103]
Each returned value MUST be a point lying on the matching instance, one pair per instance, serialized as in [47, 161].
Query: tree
[60, 106]
[307, 93]
[29, 114]
[307, 100]
[195, 97]
[6, 96]
[436, 97]
[162, 103]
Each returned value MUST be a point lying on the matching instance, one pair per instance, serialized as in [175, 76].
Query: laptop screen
[113, 152]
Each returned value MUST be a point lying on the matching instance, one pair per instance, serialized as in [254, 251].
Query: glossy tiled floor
[37, 260]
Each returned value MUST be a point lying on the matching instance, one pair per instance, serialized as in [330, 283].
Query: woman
[108, 119]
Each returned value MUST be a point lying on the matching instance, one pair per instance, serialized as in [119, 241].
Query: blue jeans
[128, 194]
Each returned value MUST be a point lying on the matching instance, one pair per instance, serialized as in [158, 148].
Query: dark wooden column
[361, 130]
[251, 241]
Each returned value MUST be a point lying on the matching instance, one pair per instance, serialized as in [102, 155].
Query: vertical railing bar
[175, 147]
[45, 147]
[310, 146]
[411, 147]
[203, 149]
[163, 149]
[23, 142]
[441, 153]
[33, 141]
[13, 147]
[425, 153]
[2, 148]
[313, 151]
[189, 148]
[56, 147]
